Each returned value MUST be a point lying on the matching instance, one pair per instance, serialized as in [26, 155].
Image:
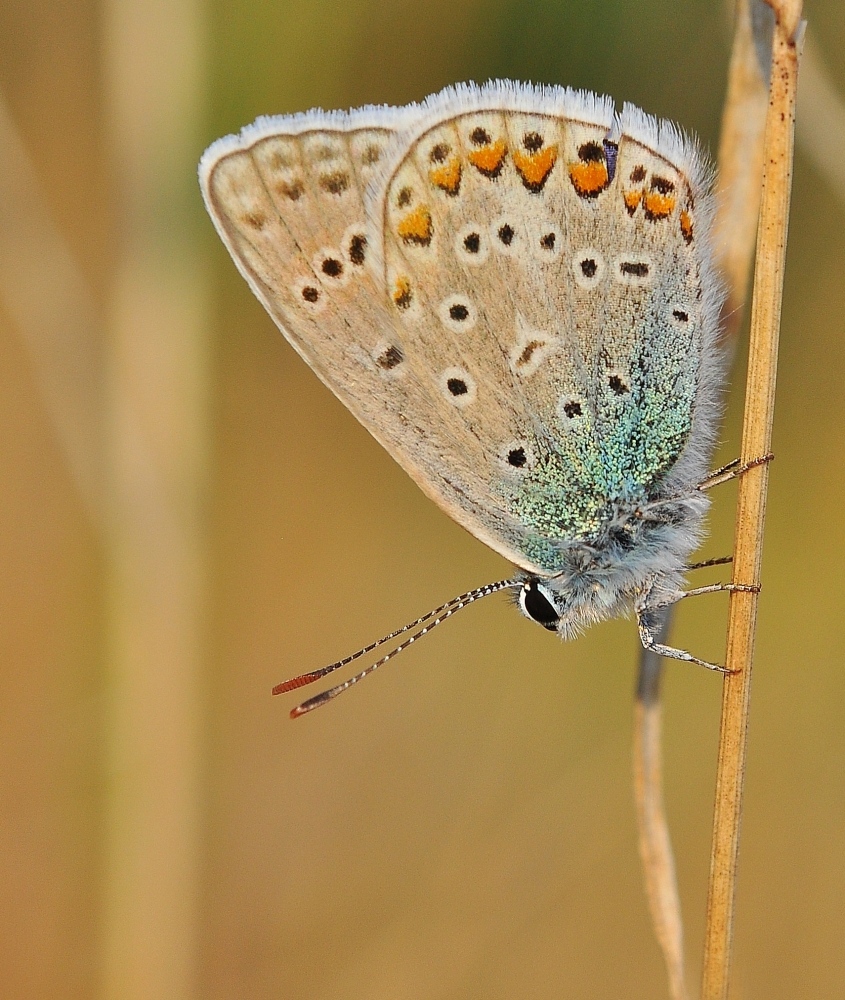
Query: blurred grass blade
[53, 311]
[820, 122]
[654, 840]
[740, 161]
[157, 454]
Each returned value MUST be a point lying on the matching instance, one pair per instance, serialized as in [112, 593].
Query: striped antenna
[433, 618]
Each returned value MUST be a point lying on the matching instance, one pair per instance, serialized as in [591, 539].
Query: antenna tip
[297, 682]
[315, 702]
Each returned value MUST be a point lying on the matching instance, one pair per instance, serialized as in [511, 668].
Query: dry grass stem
[740, 171]
[820, 128]
[654, 840]
[751, 503]
[56, 319]
[157, 447]
[740, 163]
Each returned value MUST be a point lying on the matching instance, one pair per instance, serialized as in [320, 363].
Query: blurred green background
[463, 824]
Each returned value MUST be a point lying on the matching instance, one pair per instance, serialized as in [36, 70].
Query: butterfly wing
[468, 278]
[287, 198]
[552, 292]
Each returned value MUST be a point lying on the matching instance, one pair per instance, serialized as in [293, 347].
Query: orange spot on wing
[489, 159]
[686, 226]
[534, 168]
[291, 189]
[281, 160]
[402, 292]
[632, 199]
[416, 227]
[657, 205]
[257, 220]
[447, 177]
[589, 178]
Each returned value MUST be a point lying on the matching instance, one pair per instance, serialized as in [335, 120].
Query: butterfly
[512, 288]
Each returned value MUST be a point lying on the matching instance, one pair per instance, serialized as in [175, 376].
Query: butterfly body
[511, 288]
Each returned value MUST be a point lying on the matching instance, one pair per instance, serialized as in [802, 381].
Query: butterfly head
[565, 605]
[539, 603]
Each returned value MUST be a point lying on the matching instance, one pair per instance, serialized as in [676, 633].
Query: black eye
[537, 606]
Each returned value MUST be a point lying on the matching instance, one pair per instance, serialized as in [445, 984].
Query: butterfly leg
[731, 471]
[713, 588]
[718, 561]
[648, 627]
[727, 472]
[648, 623]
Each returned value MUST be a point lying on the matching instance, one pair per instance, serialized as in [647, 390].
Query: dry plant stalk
[56, 320]
[820, 128]
[654, 840]
[740, 165]
[751, 502]
[156, 422]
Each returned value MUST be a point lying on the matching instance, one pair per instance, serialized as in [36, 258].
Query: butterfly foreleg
[724, 474]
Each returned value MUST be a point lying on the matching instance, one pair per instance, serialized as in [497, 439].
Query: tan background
[462, 825]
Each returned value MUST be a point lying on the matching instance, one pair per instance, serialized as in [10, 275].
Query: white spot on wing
[458, 387]
[468, 233]
[331, 266]
[457, 313]
[532, 348]
[588, 267]
[505, 235]
[634, 269]
[304, 291]
[546, 241]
